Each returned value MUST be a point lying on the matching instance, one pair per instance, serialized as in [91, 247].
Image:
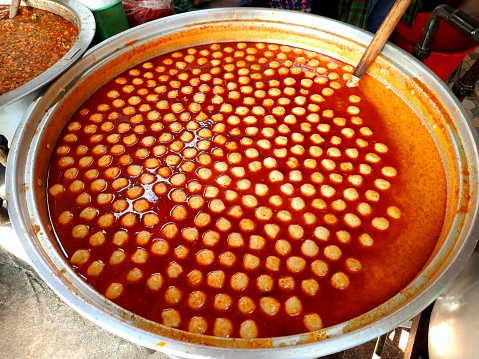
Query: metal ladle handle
[14, 8]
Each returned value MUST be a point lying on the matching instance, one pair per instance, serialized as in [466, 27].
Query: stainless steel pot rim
[82, 17]
[89, 303]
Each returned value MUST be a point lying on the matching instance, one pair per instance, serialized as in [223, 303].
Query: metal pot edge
[363, 333]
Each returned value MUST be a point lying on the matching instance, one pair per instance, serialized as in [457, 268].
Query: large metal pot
[439, 115]
[13, 104]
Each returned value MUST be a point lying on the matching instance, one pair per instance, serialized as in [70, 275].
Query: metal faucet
[467, 26]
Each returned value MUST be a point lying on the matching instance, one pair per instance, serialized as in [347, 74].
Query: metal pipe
[456, 18]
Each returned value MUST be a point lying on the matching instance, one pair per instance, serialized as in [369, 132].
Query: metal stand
[466, 84]
[4, 219]
[417, 345]
[148, 350]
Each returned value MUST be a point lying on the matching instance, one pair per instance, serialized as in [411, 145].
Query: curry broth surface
[207, 139]
[31, 42]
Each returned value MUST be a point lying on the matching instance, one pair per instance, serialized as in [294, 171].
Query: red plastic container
[448, 48]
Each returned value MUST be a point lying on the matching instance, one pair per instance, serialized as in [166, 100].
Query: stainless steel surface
[432, 100]
[14, 103]
[454, 323]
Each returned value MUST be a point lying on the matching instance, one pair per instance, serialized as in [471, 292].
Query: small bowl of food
[38, 44]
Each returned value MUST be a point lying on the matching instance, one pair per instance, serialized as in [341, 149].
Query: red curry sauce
[30, 43]
[141, 118]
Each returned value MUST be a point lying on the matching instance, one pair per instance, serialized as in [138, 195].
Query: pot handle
[4, 219]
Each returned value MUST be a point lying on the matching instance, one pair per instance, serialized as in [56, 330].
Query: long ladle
[14, 8]
[379, 39]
